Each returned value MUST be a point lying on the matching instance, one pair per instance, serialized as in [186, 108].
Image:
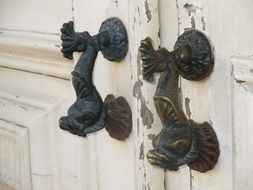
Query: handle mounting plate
[200, 64]
[117, 49]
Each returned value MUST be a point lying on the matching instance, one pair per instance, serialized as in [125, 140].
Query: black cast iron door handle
[89, 113]
[181, 141]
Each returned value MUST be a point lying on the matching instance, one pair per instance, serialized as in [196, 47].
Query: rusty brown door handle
[181, 141]
[89, 113]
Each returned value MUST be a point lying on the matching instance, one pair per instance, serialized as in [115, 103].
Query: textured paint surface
[144, 22]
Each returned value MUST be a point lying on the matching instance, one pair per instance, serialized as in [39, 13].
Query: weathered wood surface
[144, 22]
[35, 91]
[218, 99]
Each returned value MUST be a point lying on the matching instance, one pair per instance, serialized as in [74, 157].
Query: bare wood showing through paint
[34, 93]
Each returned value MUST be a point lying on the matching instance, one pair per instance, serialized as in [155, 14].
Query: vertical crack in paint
[141, 154]
[203, 23]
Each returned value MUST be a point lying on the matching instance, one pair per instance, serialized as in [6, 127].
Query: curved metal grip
[181, 141]
[89, 113]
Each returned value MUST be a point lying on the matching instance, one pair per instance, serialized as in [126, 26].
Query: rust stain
[141, 155]
[187, 107]
[148, 11]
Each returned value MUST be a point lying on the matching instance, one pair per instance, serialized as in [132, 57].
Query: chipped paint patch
[196, 17]
[134, 23]
[191, 8]
[193, 22]
[138, 126]
[187, 107]
[137, 89]
[116, 2]
[148, 11]
[240, 81]
[146, 114]
[138, 10]
[151, 136]
[141, 154]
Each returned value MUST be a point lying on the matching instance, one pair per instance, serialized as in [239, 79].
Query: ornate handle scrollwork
[181, 141]
[89, 113]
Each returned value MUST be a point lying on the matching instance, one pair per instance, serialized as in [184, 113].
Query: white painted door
[35, 91]
[225, 98]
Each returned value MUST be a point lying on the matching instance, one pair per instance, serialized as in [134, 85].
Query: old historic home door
[36, 90]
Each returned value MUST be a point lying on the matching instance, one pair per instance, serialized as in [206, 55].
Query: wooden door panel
[242, 121]
[35, 90]
[221, 100]
[34, 15]
[47, 158]
[33, 52]
[111, 163]
[15, 156]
